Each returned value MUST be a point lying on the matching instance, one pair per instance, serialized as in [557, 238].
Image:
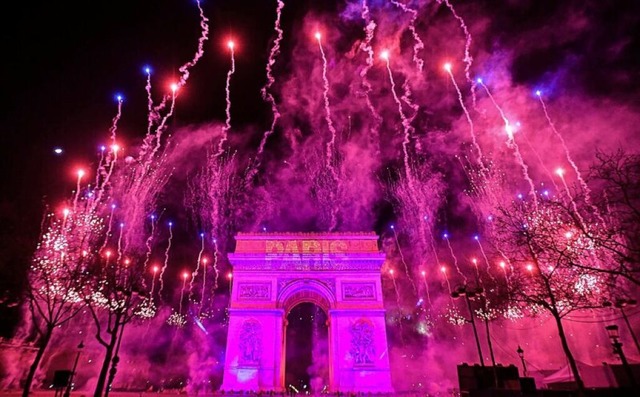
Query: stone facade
[338, 272]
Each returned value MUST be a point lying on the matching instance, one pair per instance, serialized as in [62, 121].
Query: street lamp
[468, 295]
[67, 392]
[524, 364]
[621, 304]
[612, 330]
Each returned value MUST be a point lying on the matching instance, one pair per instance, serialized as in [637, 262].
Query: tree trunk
[44, 342]
[104, 371]
[567, 352]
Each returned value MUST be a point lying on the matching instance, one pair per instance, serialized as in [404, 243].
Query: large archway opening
[307, 349]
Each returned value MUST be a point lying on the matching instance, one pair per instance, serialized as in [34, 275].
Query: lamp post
[67, 392]
[462, 291]
[621, 304]
[524, 364]
[612, 330]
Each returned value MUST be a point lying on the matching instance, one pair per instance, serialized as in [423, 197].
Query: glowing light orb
[502, 265]
[103, 148]
[147, 70]
[119, 98]
[121, 225]
[229, 276]
[230, 44]
[170, 224]
[475, 261]
[384, 55]
[127, 261]
[538, 93]
[392, 227]
[185, 275]
[57, 150]
[479, 80]
[423, 273]
[205, 260]
[391, 272]
[113, 206]
[443, 269]
[447, 67]
[446, 235]
[80, 173]
[318, 36]
[115, 148]
[66, 212]
[155, 269]
[174, 87]
[476, 237]
[201, 234]
[560, 172]
[107, 254]
[530, 267]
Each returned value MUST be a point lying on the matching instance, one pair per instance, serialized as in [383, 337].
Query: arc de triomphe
[339, 272]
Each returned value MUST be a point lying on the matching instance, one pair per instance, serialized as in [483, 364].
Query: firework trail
[154, 113]
[503, 266]
[443, 270]
[195, 272]
[369, 30]
[215, 266]
[486, 260]
[419, 45]
[166, 259]
[560, 173]
[185, 276]
[404, 263]
[148, 242]
[204, 285]
[511, 143]
[406, 124]
[447, 68]
[544, 166]
[152, 116]
[586, 189]
[120, 242]
[406, 98]
[227, 124]
[163, 123]
[478, 278]
[395, 288]
[468, 59]
[455, 259]
[77, 195]
[426, 287]
[266, 95]
[109, 223]
[331, 143]
[153, 282]
[106, 169]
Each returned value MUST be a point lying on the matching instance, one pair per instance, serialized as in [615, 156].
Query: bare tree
[56, 273]
[554, 267]
[113, 296]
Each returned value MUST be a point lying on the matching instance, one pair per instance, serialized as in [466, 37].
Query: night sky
[63, 63]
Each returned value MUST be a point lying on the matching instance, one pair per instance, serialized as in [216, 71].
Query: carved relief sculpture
[250, 343]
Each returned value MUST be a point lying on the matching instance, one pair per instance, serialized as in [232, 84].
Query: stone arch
[305, 290]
